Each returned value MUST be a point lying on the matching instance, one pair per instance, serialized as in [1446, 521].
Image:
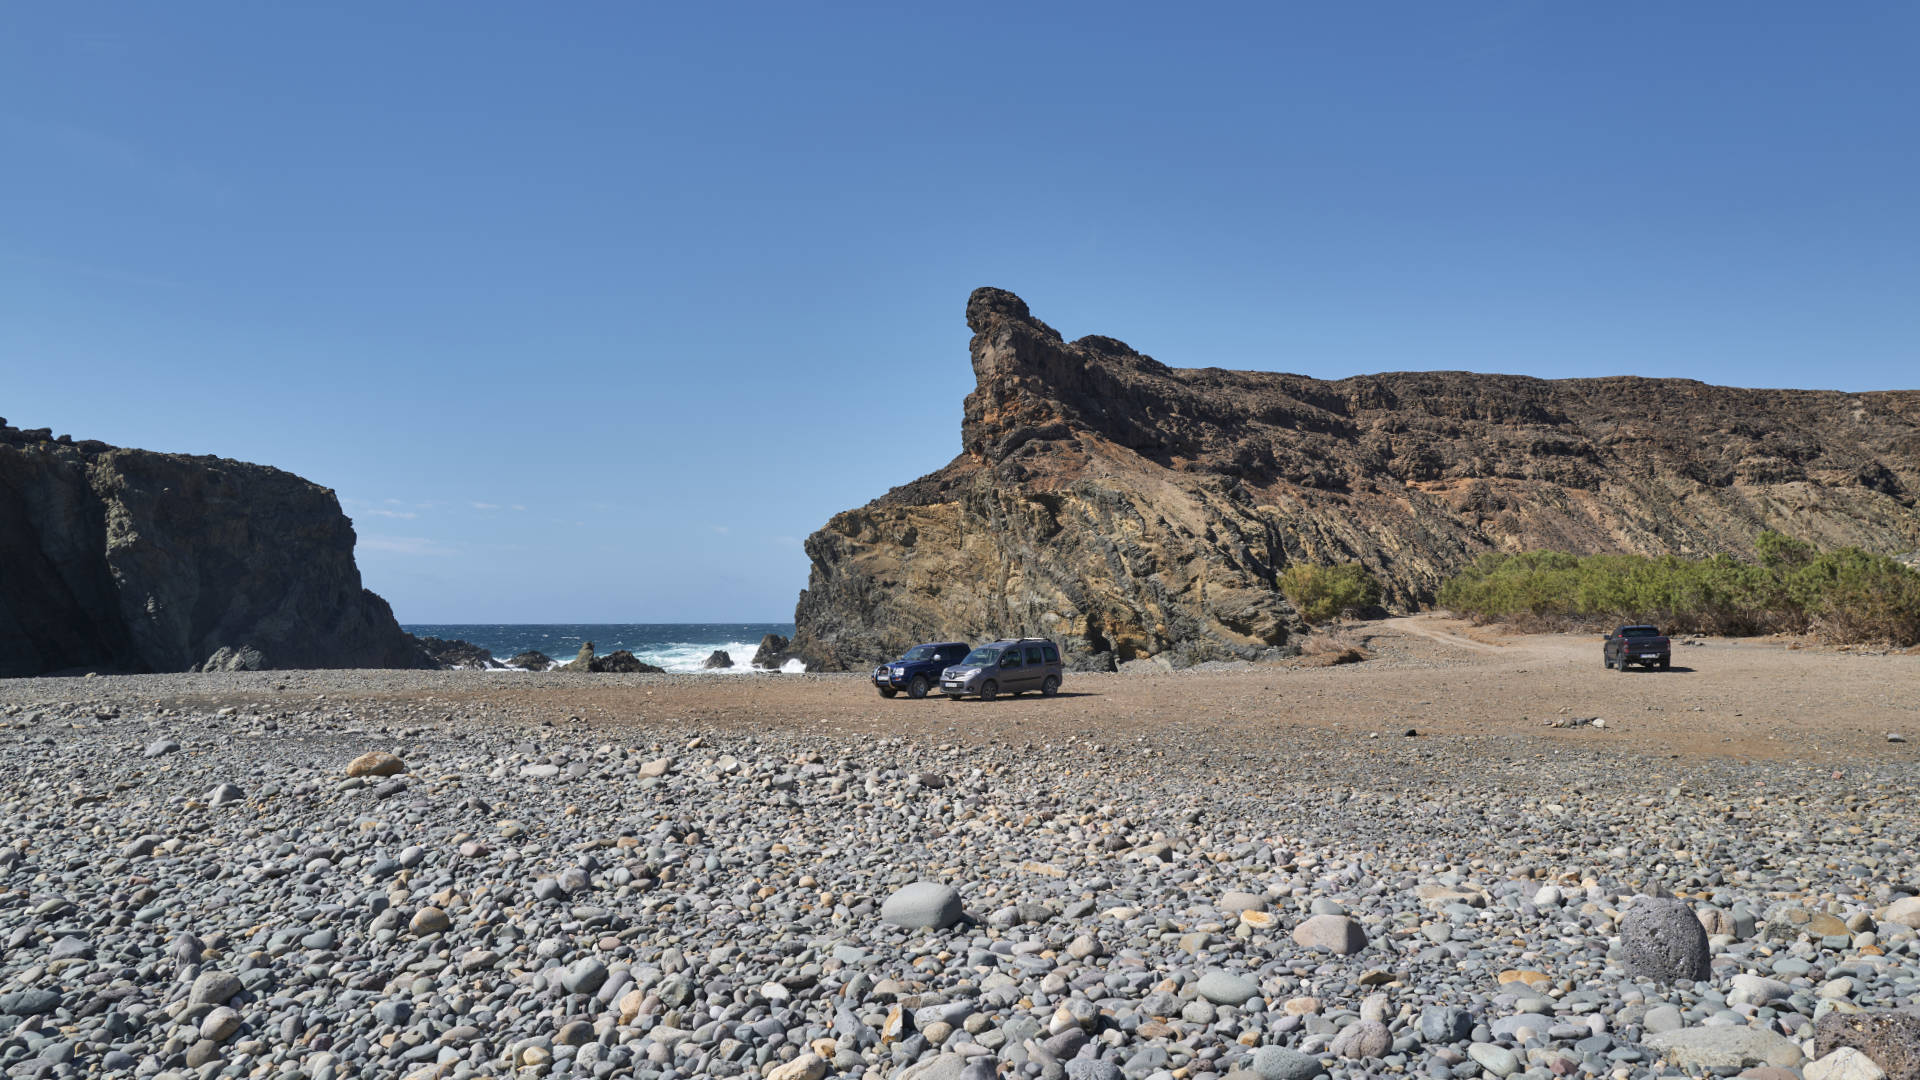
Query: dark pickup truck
[1644, 645]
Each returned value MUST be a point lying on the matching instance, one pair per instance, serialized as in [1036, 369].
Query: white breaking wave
[684, 656]
[687, 656]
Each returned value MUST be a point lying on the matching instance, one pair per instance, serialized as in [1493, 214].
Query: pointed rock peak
[989, 305]
[987, 300]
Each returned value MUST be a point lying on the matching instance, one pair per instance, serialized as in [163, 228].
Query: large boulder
[717, 660]
[128, 560]
[582, 660]
[531, 660]
[923, 905]
[1904, 912]
[1703, 1049]
[1337, 934]
[1661, 939]
[376, 763]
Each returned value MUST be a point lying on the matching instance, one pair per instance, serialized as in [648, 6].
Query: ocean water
[674, 646]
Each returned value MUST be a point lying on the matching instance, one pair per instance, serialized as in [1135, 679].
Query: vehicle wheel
[1622, 669]
[887, 691]
[1606, 663]
[1050, 687]
[917, 688]
[1666, 662]
[989, 690]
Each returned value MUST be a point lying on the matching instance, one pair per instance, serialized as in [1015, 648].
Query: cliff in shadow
[127, 560]
[1130, 509]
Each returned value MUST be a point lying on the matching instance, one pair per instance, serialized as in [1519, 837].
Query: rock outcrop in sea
[774, 651]
[456, 654]
[128, 560]
[1128, 509]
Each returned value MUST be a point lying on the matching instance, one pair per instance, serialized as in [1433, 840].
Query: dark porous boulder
[772, 653]
[624, 663]
[129, 560]
[532, 660]
[1662, 939]
[454, 653]
[1889, 1037]
[718, 659]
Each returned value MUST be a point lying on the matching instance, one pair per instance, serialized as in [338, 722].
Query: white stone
[1846, 1063]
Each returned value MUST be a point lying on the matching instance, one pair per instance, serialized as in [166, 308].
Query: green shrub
[1847, 595]
[1323, 593]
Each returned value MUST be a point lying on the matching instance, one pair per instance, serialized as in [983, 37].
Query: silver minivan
[1005, 667]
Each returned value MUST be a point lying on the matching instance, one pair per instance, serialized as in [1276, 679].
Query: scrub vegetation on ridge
[1845, 596]
[1323, 593]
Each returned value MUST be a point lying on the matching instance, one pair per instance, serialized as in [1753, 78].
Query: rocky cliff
[127, 560]
[1130, 509]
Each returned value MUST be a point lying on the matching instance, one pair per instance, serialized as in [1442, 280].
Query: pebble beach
[453, 874]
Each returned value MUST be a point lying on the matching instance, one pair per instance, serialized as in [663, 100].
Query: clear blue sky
[593, 311]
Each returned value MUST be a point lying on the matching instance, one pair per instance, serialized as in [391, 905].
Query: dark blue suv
[918, 669]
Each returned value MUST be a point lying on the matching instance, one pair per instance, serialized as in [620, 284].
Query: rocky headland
[1129, 509]
[129, 560]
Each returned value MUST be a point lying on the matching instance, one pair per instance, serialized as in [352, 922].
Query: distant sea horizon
[673, 646]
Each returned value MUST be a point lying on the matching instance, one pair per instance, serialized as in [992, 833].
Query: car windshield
[981, 658]
[1640, 631]
[922, 652]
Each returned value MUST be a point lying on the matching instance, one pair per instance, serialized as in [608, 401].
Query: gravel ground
[1246, 873]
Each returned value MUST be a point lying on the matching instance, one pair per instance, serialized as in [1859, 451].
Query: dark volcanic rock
[1890, 1037]
[532, 660]
[624, 662]
[130, 560]
[456, 653]
[1129, 509]
[1662, 939]
[717, 659]
[773, 652]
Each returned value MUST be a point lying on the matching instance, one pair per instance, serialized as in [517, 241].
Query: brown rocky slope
[129, 560]
[1128, 509]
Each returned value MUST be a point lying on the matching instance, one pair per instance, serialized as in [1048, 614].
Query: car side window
[1033, 654]
[1010, 659]
[1052, 654]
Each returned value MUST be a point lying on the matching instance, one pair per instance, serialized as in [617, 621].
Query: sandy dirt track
[1747, 699]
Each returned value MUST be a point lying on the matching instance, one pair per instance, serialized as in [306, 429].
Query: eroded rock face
[1128, 509]
[130, 560]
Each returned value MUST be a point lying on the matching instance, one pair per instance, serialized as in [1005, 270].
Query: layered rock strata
[1129, 509]
[127, 560]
